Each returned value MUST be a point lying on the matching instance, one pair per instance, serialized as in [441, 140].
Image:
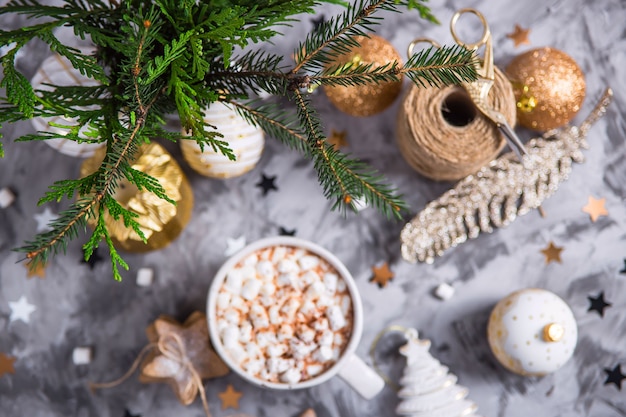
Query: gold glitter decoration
[369, 99]
[497, 193]
[552, 253]
[160, 221]
[553, 81]
[595, 208]
[553, 332]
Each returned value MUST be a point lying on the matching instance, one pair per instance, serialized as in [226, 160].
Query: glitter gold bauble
[549, 88]
[160, 221]
[371, 98]
[245, 140]
[532, 332]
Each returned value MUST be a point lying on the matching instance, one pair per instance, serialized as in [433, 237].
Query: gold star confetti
[382, 275]
[595, 208]
[337, 139]
[309, 413]
[37, 271]
[230, 397]
[6, 364]
[519, 36]
[552, 253]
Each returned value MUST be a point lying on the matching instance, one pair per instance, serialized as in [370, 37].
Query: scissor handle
[486, 33]
[409, 50]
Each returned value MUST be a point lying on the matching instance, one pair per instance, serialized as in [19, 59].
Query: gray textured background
[77, 306]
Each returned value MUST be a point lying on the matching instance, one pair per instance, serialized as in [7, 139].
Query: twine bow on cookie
[179, 355]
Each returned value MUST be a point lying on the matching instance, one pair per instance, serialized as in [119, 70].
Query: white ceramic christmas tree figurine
[428, 390]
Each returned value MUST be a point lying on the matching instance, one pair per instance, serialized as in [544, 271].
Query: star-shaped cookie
[189, 341]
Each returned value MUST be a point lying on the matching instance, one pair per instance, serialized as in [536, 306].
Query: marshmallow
[335, 318]
[308, 308]
[341, 286]
[308, 262]
[232, 316]
[247, 272]
[310, 277]
[265, 339]
[323, 354]
[299, 349]
[315, 290]
[259, 317]
[324, 301]
[274, 314]
[314, 369]
[320, 324]
[277, 365]
[145, 277]
[326, 339]
[291, 376]
[230, 337]
[267, 290]
[81, 355]
[251, 288]
[223, 300]
[306, 334]
[234, 280]
[265, 254]
[237, 353]
[287, 278]
[250, 260]
[346, 305]
[330, 282]
[265, 269]
[290, 308]
[338, 339]
[221, 325]
[279, 254]
[253, 350]
[286, 266]
[285, 332]
[277, 350]
[444, 291]
[245, 332]
[253, 367]
[239, 304]
[6, 197]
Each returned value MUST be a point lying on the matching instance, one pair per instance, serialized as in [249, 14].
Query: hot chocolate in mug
[285, 313]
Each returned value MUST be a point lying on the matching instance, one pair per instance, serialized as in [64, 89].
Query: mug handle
[361, 377]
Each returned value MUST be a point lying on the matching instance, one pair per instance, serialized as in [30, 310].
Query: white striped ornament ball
[246, 142]
[57, 70]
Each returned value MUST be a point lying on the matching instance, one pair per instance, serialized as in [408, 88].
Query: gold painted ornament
[245, 140]
[368, 99]
[160, 221]
[532, 332]
[549, 88]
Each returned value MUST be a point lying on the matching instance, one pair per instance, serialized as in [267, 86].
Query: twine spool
[444, 137]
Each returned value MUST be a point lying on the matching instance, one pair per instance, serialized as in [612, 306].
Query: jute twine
[444, 137]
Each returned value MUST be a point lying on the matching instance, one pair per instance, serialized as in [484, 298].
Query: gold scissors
[479, 89]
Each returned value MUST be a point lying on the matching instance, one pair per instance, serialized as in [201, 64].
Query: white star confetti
[21, 310]
[43, 219]
[234, 245]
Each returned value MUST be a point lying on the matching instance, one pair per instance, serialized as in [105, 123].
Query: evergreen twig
[163, 56]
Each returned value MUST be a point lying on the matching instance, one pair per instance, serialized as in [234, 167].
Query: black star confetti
[623, 271]
[129, 414]
[93, 260]
[598, 304]
[267, 184]
[287, 232]
[615, 376]
[318, 22]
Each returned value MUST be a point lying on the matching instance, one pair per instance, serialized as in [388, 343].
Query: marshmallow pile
[284, 314]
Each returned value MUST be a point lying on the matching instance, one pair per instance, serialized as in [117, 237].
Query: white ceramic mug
[349, 367]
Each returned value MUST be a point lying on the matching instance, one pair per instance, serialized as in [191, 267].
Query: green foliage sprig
[162, 56]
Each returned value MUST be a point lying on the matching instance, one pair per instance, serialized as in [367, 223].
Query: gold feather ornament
[497, 193]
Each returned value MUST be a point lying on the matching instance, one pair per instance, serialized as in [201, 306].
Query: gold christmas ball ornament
[532, 332]
[371, 98]
[160, 221]
[245, 140]
[549, 88]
